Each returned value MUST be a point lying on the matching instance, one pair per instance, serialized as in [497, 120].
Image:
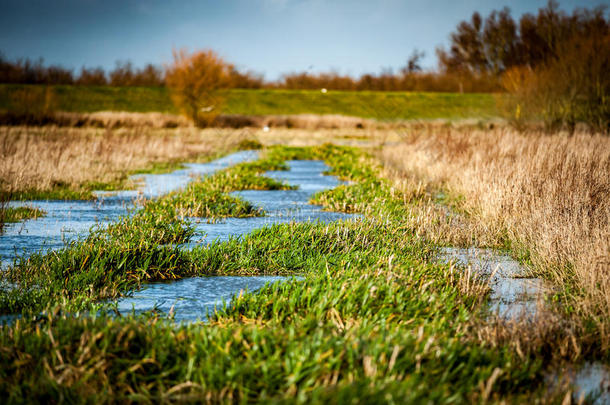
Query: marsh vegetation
[374, 316]
[370, 308]
[544, 198]
[69, 163]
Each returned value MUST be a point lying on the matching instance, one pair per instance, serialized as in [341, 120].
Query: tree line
[409, 78]
[555, 65]
[26, 71]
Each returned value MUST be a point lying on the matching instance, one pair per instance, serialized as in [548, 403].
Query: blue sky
[267, 36]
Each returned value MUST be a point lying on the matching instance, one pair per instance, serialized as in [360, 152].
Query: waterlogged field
[372, 317]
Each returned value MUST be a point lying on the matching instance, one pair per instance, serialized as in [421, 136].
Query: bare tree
[414, 62]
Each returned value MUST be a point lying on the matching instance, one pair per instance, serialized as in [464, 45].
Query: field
[378, 105]
[374, 318]
[381, 232]
[374, 314]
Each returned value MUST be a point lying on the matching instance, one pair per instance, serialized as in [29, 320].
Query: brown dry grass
[99, 119]
[123, 119]
[299, 121]
[547, 195]
[45, 158]
[367, 137]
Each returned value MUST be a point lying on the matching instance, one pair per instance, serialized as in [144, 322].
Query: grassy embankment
[366, 104]
[374, 319]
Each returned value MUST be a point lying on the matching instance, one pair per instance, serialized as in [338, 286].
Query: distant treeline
[480, 52]
[389, 81]
[25, 71]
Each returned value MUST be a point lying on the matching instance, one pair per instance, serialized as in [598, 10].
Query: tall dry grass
[548, 195]
[46, 158]
[98, 119]
[156, 120]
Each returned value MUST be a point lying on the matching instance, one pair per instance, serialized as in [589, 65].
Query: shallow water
[592, 379]
[156, 185]
[512, 295]
[281, 206]
[193, 297]
[68, 220]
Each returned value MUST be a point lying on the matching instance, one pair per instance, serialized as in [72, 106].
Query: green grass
[94, 98]
[360, 326]
[16, 214]
[367, 104]
[374, 318]
[161, 167]
[140, 248]
[70, 192]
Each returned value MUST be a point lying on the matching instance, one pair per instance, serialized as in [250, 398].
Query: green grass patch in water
[16, 214]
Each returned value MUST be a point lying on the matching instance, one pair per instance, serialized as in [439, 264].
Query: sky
[267, 36]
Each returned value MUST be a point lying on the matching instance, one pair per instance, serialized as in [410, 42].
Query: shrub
[570, 88]
[196, 82]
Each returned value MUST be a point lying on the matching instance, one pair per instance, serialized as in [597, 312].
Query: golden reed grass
[156, 120]
[46, 157]
[548, 195]
[42, 158]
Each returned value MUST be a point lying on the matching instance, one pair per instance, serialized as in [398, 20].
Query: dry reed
[122, 119]
[547, 195]
[42, 158]
[45, 158]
